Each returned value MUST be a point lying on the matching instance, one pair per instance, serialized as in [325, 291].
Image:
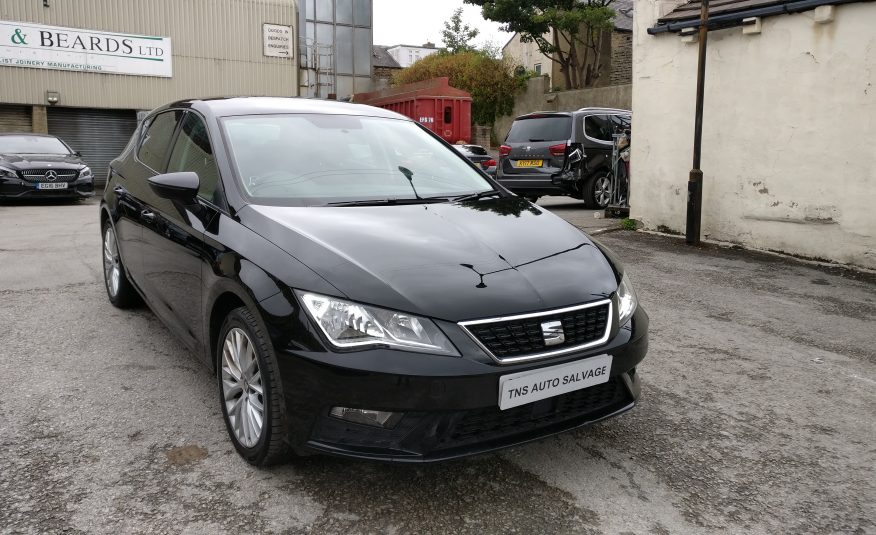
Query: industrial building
[84, 70]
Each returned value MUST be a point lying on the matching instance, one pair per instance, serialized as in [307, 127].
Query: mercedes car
[359, 288]
[38, 165]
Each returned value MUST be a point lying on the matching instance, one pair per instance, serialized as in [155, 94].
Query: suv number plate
[529, 163]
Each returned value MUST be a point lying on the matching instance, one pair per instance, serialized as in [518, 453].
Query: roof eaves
[735, 18]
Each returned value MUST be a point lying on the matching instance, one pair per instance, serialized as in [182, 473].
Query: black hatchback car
[562, 153]
[38, 165]
[359, 287]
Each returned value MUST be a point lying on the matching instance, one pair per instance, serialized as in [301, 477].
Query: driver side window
[154, 146]
[193, 152]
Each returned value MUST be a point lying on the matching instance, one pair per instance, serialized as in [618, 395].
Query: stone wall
[537, 97]
[621, 71]
[480, 135]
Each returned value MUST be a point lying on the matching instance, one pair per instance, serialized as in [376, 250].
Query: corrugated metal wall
[15, 119]
[100, 135]
[217, 51]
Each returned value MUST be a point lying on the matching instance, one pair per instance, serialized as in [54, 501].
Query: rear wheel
[118, 288]
[249, 390]
[597, 192]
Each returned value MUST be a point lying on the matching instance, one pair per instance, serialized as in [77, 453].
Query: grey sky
[414, 22]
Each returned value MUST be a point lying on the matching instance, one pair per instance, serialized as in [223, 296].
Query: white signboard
[277, 40]
[37, 46]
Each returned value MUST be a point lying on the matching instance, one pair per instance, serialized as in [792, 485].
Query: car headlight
[353, 325]
[7, 173]
[626, 299]
[85, 172]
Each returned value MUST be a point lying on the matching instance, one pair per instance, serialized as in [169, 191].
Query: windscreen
[544, 128]
[32, 145]
[311, 159]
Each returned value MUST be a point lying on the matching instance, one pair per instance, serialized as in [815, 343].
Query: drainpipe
[695, 180]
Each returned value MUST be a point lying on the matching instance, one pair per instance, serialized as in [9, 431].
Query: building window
[537, 68]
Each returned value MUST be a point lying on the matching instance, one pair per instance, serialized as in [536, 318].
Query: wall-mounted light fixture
[53, 97]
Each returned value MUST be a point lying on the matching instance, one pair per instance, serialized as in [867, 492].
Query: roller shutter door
[15, 118]
[100, 135]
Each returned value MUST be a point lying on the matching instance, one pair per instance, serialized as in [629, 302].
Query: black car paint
[559, 176]
[19, 188]
[456, 261]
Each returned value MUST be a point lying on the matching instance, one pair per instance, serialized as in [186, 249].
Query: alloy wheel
[112, 268]
[242, 387]
[602, 191]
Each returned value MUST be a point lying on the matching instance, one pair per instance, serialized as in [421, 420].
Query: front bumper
[13, 188]
[450, 404]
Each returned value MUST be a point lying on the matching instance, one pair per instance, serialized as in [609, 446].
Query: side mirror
[78, 154]
[181, 186]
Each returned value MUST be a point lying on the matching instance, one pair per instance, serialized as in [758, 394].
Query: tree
[574, 30]
[457, 36]
[490, 81]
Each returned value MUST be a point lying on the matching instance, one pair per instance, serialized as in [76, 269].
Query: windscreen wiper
[385, 202]
[480, 195]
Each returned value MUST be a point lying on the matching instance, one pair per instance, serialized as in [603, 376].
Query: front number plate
[525, 387]
[529, 163]
[51, 185]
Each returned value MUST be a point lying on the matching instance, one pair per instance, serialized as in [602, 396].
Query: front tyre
[249, 390]
[118, 288]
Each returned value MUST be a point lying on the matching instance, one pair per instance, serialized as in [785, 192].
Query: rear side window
[543, 128]
[156, 140]
[192, 152]
[598, 127]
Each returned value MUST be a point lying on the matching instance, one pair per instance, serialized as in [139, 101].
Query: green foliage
[567, 31]
[490, 81]
[457, 36]
[628, 224]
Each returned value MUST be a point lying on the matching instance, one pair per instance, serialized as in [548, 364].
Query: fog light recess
[384, 419]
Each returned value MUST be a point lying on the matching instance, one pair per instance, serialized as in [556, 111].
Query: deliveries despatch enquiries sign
[23, 44]
[277, 40]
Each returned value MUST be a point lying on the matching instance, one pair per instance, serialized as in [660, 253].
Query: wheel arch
[224, 303]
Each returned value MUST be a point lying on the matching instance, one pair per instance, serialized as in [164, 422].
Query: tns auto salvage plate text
[525, 387]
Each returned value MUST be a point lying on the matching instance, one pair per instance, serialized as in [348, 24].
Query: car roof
[605, 110]
[581, 111]
[30, 134]
[230, 106]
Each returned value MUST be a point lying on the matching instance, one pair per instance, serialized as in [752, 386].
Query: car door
[173, 235]
[128, 180]
[598, 130]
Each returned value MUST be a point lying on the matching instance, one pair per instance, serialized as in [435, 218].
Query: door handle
[147, 215]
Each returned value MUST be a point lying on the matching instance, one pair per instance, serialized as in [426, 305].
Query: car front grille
[522, 337]
[40, 175]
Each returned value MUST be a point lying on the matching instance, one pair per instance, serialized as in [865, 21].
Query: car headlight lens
[351, 325]
[85, 173]
[7, 173]
[626, 299]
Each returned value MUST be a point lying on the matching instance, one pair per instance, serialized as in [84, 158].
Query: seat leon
[360, 288]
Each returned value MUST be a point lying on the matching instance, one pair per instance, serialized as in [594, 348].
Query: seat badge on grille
[553, 333]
